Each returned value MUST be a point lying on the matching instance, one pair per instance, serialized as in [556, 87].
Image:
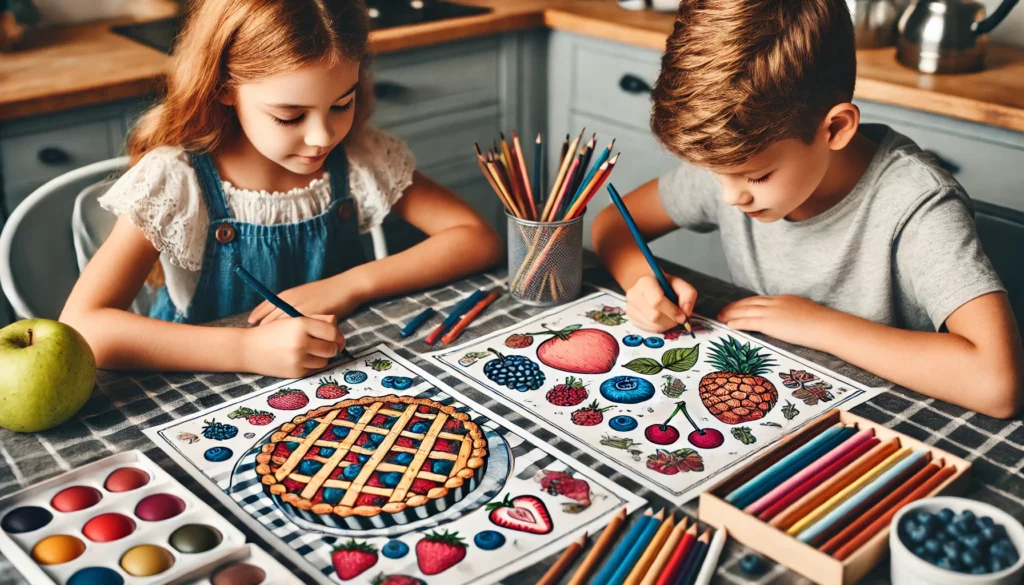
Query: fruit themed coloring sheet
[673, 411]
[375, 472]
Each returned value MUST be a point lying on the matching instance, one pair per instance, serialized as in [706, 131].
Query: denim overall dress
[280, 256]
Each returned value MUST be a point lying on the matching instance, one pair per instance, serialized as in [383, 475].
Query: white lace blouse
[162, 197]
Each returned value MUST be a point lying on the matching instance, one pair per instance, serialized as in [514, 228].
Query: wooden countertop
[88, 64]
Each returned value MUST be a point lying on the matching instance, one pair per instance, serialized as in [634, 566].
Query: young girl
[259, 156]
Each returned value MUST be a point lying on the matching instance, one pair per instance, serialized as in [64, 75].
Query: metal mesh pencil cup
[545, 260]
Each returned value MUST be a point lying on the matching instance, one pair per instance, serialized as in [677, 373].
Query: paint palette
[118, 521]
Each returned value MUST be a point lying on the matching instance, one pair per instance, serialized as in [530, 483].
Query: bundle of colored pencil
[576, 182]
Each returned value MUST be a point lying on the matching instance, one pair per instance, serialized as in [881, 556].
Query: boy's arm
[977, 365]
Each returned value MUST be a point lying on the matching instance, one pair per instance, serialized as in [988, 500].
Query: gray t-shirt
[900, 249]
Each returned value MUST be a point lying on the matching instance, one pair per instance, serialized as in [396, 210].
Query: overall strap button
[346, 209]
[225, 233]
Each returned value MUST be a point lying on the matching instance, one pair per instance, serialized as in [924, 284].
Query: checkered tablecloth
[123, 405]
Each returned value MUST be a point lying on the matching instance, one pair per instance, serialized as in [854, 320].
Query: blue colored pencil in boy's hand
[665, 286]
[273, 299]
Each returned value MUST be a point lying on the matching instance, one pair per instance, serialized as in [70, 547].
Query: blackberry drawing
[515, 372]
[219, 431]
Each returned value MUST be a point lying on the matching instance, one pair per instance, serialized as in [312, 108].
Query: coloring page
[374, 472]
[675, 412]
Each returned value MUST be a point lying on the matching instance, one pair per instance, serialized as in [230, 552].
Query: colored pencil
[417, 321]
[599, 549]
[527, 188]
[665, 553]
[538, 172]
[653, 547]
[467, 319]
[847, 491]
[756, 486]
[581, 172]
[272, 298]
[494, 180]
[589, 190]
[675, 562]
[512, 167]
[824, 461]
[601, 159]
[560, 197]
[630, 561]
[817, 479]
[563, 170]
[707, 569]
[924, 490]
[621, 550]
[689, 573]
[554, 574]
[874, 490]
[879, 509]
[665, 287]
[834, 485]
[453, 317]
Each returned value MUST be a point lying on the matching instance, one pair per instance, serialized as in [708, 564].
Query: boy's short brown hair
[740, 75]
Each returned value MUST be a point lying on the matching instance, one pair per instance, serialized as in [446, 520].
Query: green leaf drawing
[789, 411]
[644, 366]
[681, 359]
[743, 435]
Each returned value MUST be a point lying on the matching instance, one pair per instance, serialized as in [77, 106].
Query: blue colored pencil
[460, 309]
[639, 546]
[665, 287]
[622, 549]
[700, 549]
[272, 298]
[593, 171]
[417, 321]
[753, 489]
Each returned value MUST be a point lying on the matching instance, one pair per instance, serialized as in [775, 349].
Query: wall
[1011, 31]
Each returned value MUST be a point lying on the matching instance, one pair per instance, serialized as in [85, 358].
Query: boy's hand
[649, 308]
[321, 297]
[292, 348]
[790, 318]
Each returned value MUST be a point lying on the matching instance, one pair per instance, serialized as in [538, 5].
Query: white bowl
[906, 568]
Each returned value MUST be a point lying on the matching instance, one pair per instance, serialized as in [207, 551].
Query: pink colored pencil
[564, 189]
[808, 472]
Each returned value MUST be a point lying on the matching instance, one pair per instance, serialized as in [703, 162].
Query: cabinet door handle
[632, 84]
[385, 90]
[950, 167]
[52, 155]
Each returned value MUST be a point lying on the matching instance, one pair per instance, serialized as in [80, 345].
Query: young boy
[859, 243]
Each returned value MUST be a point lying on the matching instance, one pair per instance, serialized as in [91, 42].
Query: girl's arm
[459, 243]
[978, 365]
[123, 340]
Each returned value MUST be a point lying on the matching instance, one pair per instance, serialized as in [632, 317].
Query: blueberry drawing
[632, 340]
[355, 377]
[394, 549]
[396, 382]
[654, 342]
[489, 540]
[622, 423]
[218, 454]
[627, 389]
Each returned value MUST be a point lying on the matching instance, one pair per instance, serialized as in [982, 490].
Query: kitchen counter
[88, 64]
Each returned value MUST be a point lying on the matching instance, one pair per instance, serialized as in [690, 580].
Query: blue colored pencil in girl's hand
[260, 155]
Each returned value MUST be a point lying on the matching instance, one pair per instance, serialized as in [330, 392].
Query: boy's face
[780, 179]
[296, 118]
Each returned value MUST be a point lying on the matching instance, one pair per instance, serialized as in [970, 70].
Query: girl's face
[296, 118]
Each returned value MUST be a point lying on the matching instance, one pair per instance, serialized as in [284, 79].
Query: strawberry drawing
[590, 415]
[562, 483]
[436, 553]
[287, 399]
[329, 389]
[383, 579]
[253, 417]
[569, 394]
[522, 513]
[518, 341]
[352, 559]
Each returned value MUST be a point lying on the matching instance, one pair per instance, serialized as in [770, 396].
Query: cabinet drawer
[29, 160]
[449, 137]
[613, 81]
[642, 159]
[986, 161]
[415, 85]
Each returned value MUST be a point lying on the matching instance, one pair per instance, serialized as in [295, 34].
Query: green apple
[47, 372]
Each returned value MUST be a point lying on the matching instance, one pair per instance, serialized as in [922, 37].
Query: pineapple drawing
[738, 392]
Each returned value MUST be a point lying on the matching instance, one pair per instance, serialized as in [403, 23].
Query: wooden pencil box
[787, 550]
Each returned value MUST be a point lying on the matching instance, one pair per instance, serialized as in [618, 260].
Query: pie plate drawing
[373, 462]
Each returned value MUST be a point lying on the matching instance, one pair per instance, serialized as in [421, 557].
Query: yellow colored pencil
[665, 553]
[518, 148]
[640, 569]
[848, 491]
[599, 549]
[570, 155]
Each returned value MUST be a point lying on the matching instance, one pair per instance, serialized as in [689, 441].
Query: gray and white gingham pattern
[123, 405]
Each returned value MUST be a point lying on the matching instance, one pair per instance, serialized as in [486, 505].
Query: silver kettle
[947, 36]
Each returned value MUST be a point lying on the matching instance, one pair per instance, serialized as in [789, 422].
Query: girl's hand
[321, 297]
[292, 348]
[790, 318]
[649, 308]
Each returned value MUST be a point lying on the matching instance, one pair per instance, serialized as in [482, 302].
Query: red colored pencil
[678, 556]
[468, 317]
[564, 188]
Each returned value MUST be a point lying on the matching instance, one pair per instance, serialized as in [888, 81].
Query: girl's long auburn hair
[225, 43]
